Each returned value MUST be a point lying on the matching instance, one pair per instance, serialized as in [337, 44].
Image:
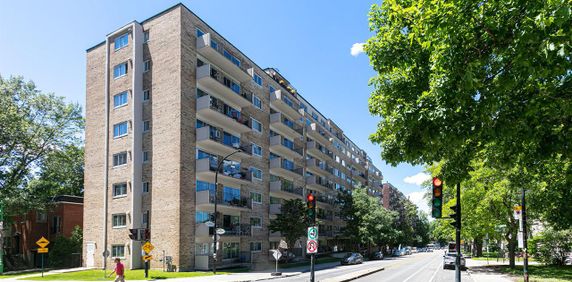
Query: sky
[316, 45]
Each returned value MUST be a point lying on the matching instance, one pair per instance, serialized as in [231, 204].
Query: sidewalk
[481, 271]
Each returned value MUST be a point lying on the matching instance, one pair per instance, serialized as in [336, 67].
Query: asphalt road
[420, 267]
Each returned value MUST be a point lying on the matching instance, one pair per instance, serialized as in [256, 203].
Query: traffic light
[456, 216]
[133, 234]
[437, 201]
[311, 208]
[147, 236]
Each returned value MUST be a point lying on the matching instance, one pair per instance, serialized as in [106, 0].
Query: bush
[551, 246]
[62, 248]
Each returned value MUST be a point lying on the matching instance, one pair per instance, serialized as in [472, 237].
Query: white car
[449, 260]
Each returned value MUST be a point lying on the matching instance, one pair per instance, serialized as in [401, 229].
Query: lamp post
[220, 162]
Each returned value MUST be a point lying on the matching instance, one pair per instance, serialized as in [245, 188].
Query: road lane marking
[417, 272]
[435, 273]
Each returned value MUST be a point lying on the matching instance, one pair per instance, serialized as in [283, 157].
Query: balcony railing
[293, 125]
[224, 109]
[326, 200]
[239, 230]
[230, 84]
[290, 188]
[230, 170]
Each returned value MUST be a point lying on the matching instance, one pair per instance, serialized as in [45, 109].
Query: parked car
[449, 260]
[377, 255]
[352, 258]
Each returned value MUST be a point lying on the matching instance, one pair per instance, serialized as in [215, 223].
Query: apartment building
[168, 99]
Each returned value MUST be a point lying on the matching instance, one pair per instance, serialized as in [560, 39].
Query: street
[422, 267]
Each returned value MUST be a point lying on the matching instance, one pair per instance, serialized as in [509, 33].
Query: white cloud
[357, 49]
[417, 199]
[417, 179]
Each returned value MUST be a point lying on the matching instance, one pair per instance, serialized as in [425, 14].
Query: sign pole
[42, 265]
[312, 268]
[458, 236]
[1, 238]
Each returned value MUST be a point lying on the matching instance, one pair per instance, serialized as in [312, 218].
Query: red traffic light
[437, 181]
[310, 197]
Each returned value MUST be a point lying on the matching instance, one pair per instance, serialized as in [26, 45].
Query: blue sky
[308, 41]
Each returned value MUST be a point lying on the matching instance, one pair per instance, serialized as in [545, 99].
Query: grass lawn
[500, 259]
[542, 273]
[97, 275]
[303, 263]
[4, 276]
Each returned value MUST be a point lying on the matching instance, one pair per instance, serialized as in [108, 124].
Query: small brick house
[22, 234]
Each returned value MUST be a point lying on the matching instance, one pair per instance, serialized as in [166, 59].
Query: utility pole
[458, 236]
[524, 235]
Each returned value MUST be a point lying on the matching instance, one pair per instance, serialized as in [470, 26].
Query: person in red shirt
[119, 271]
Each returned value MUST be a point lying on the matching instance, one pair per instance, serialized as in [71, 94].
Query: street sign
[520, 238]
[276, 254]
[220, 231]
[147, 247]
[209, 224]
[313, 233]
[147, 257]
[312, 247]
[217, 237]
[105, 253]
[42, 250]
[43, 242]
[283, 244]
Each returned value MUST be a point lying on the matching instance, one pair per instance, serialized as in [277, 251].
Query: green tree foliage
[291, 222]
[62, 248]
[34, 124]
[552, 246]
[459, 77]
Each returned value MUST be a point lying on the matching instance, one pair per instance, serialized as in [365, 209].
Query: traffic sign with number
[43, 242]
[312, 247]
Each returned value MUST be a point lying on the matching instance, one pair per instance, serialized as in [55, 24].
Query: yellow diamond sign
[43, 242]
[148, 247]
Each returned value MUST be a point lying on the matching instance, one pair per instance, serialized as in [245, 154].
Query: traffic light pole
[312, 264]
[458, 236]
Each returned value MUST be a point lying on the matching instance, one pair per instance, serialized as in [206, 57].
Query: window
[120, 129]
[145, 187]
[232, 58]
[56, 224]
[41, 217]
[121, 41]
[256, 197]
[271, 90]
[230, 250]
[119, 220]
[214, 44]
[120, 70]
[146, 126]
[255, 246]
[146, 95]
[120, 159]
[257, 79]
[119, 189]
[256, 125]
[256, 173]
[230, 194]
[203, 216]
[145, 218]
[146, 156]
[256, 150]
[145, 36]
[256, 102]
[118, 251]
[146, 66]
[199, 32]
[204, 186]
[120, 99]
[256, 222]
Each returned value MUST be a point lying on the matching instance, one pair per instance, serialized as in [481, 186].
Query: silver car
[449, 260]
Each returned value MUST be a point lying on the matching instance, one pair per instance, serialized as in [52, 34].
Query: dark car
[377, 255]
[352, 258]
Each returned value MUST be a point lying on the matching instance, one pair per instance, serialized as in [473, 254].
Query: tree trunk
[511, 250]
[478, 243]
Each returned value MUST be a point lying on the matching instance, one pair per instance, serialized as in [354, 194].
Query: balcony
[281, 168]
[316, 132]
[285, 126]
[242, 230]
[318, 183]
[319, 151]
[359, 164]
[228, 174]
[216, 55]
[316, 167]
[212, 111]
[283, 102]
[326, 233]
[212, 139]
[325, 200]
[205, 200]
[280, 147]
[215, 83]
[275, 209]
[287, 190]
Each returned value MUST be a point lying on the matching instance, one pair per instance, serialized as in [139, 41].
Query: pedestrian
[119, 271]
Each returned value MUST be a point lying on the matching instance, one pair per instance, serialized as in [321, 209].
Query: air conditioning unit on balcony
[217, 134]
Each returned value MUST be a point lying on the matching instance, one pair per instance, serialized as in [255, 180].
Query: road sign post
[1, 238]
[147, 248]
[42, 243]
[276, 254]
[312, 248]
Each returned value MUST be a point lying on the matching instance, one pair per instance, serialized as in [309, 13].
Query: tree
[552, 246]
[291, 222]
[459, 77]
[62, 248]
[34, 124]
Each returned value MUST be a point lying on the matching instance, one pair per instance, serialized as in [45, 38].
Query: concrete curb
[271, 277]
[354, 275]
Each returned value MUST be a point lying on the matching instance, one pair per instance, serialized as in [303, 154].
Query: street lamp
[220, 162]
